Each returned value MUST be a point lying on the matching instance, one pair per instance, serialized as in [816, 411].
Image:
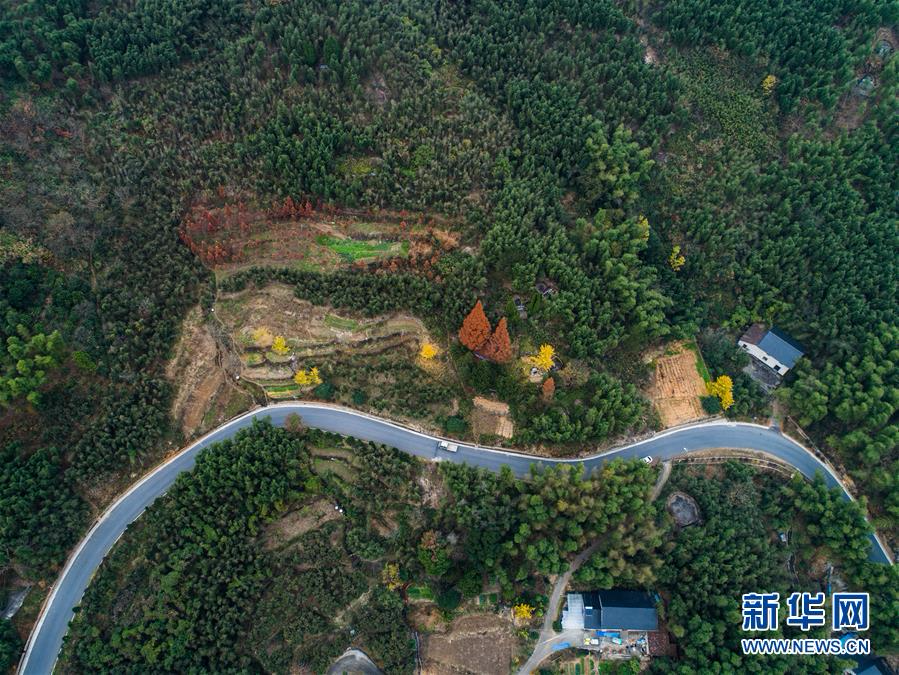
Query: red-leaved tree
[475, 329]
[548, 389]
[499, 347]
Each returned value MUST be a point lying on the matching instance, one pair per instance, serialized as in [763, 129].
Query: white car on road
[647, 459]
[449, 447]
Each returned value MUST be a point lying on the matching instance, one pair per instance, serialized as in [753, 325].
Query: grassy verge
[701, 368]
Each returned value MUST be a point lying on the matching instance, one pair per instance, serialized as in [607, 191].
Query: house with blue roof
[612, 610]
[870, 665]
[774, 348]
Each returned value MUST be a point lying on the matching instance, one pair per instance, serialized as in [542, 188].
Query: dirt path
[660, 481]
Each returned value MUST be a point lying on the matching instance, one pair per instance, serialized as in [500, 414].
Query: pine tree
[475, 329]
[499, 347]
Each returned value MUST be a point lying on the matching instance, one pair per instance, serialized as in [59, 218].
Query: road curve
[45, 641]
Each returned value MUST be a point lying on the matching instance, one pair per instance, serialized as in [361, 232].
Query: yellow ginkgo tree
[428, 351]
[390, 576]
[676, 260]
[523, 612]
[544, 358]
[279, 346]
[643, 227]
[723, 388]
[306, 378]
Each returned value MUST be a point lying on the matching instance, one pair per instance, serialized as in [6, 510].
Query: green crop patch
[360, 250]
[420, 593]
[340, 322]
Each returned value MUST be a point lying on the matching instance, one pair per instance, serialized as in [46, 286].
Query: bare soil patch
[854, 108]
[310, 329]
[660, 642]
[480, 644]
[385, 524]
[194, 373]
[332, 453]
[677, 386]
[425, 618]
[432, 488]
[491, 418]
[376, 90]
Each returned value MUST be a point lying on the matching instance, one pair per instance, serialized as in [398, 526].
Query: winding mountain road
[46, 638]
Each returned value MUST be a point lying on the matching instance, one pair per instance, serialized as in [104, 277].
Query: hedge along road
[46, 638]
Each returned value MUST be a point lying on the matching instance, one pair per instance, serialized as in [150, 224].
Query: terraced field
[376, 351]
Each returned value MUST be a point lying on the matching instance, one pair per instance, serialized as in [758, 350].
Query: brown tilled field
[477, 644]
[677, 386]
[491, 418]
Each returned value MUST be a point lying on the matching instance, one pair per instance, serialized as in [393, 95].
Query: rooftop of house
[871, 665]
[620, 610]
[775, 342]
[754, 333]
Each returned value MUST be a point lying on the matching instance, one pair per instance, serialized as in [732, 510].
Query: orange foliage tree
[475, 328]
[548, 389]
[499, 347]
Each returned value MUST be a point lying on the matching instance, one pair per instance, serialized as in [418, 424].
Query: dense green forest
[574, 142]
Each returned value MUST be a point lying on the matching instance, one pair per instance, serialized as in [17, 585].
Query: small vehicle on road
[446, 445]
[647, 460]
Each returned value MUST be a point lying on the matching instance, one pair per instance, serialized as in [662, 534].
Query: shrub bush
[449, 599]
[455, 425]
[324, 391]
[471, 583]
[711, 404]
[366, 545]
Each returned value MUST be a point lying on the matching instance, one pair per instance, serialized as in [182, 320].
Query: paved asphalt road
[353, 662]
[46, 638]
